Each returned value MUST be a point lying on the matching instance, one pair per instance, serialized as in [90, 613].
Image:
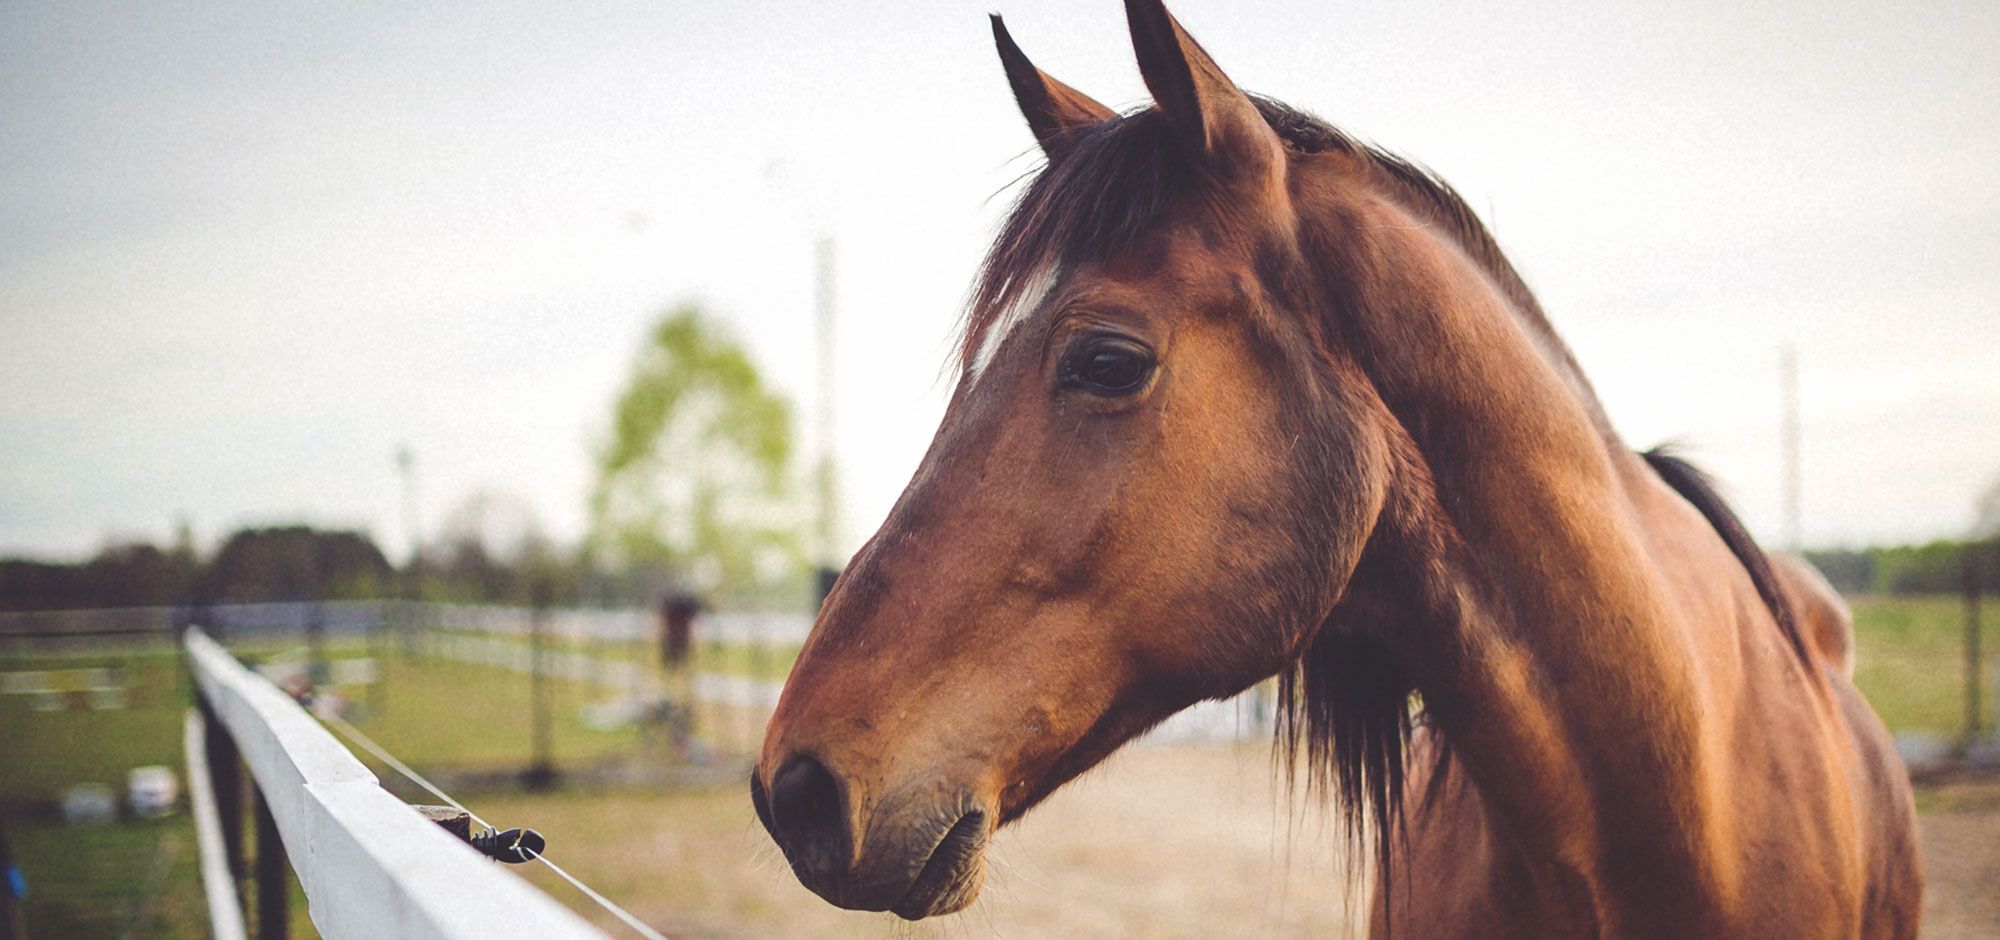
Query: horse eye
[1108, 367]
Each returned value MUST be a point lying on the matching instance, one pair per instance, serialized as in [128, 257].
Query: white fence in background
[756, 628]
[371, 865]
[1244, 717]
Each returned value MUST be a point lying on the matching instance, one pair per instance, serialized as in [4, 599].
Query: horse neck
[1510, 578]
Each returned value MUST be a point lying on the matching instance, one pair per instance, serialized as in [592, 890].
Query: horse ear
[1214, 116]
[1052, 108]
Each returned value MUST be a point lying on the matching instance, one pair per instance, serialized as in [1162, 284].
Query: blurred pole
[406, 469]
[316, 669]
[636, 640]
[678, 611]
[1973, 660]
[592, 642]
[376, 657]
[317, 672]
[1789, 442]
[828, 529]
[541, 770]
[715, 717]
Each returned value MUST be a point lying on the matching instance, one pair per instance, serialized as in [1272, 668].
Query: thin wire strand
[619, 912]
[368, 744]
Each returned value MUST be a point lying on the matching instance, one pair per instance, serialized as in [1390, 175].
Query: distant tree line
[1938, 567]
[302, 563]
[286, 563]
[135, 575]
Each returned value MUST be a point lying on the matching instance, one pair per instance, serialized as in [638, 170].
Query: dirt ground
[1960, 828]
[1169, 842]
[1160, 842]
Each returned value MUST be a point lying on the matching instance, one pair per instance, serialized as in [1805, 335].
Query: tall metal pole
[412, 588]
[1974, 661]
[542, 767]
[317, 671]
[1789, 441]
[406, 468]
[827, 549]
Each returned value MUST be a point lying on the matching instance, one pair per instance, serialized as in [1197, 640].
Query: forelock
[1114, 182]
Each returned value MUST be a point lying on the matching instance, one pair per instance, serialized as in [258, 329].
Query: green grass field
[1909, 660]
[439, 715]
[112, 880]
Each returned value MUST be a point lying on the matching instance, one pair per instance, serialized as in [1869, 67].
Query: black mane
[1695, 487]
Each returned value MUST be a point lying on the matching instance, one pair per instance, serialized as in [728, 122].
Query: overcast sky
[248, 249]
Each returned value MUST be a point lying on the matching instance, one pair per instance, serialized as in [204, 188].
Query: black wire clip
[513, 846]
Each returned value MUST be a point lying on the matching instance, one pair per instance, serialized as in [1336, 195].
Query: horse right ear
[1215, 118]
[1053, 109]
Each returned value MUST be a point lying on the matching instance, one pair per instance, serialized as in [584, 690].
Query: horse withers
[1242, 397]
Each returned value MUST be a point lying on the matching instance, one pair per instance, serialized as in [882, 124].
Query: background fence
[610, 660]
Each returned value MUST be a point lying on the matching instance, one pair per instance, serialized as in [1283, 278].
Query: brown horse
[1242, 397]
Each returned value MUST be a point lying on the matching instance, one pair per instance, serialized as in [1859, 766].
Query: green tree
[131, 574]
[695, 477]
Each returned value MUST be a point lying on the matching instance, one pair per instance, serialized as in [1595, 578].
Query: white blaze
[1034, 290]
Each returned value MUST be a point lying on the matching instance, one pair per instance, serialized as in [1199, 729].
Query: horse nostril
[807, 817]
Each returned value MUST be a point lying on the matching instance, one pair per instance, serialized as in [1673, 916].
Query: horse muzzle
[918, 855]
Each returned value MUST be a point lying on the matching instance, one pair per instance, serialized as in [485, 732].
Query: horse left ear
[1213, 116]
[1052, 108]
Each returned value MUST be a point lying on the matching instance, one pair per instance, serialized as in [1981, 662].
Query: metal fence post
[274, 892]
[378, 662]
[225, 768]
[317, 671]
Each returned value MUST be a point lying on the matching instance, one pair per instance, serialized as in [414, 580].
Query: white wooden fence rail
[371, 866]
